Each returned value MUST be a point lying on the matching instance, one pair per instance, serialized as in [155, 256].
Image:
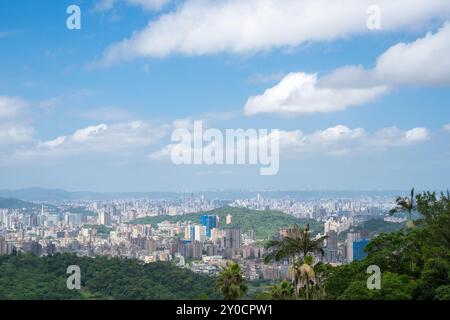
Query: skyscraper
[104, 218]
[233, 238]
[351, 237]
[209, 221]
[200, 233]
[359, 247]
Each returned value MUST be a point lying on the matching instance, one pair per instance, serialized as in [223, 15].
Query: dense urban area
[194, 232]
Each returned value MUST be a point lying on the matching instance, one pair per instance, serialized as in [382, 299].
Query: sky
[360, 95]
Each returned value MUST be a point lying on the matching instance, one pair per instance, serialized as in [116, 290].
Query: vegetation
[414, 261]
[11, 203]
[405, 204]
[374, 227]
[231, 282]
[83, 211]
[28, 277]
[297, 246]
[101, 230]
[264, 223]
[282, 291]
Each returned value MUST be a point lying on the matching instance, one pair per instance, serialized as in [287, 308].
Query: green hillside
[374, 227]
[28, 277]
[10, 203]
[264, 223]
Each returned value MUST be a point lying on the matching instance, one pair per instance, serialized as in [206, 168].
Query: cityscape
[225, 157]
[203, 242]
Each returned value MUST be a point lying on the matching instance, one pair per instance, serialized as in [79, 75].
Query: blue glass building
[359, 247]
[209, 221]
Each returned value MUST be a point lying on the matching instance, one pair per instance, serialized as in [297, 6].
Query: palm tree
[306, 275]
[282, 291]
[296, 246]
[405, 204]
[231, 282]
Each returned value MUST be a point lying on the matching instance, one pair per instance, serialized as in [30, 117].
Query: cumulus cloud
[13, 129]
[300, 93]
[102, 138]
[334, 141]
[200, 27]
[418, 63]
[422, 62]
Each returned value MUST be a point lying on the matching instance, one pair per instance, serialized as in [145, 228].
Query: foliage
[231, 282]
[282, 291]
[415, 262]
[405, 204]
[28, 277]
[296, 246]
[264, 223]
[10, 203]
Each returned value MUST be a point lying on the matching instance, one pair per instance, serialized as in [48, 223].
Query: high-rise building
[251, 234]
[32, 246]
[351, 237]
[2, 245]
[229, 219]
[150, 245]
[210, 222]
[197, 250]
[233, 238]
[332, 240]
[50, 249]
[104, 218]
[359, 247]
[199, 233]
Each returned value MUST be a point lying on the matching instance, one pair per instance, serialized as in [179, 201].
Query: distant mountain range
[55, 195]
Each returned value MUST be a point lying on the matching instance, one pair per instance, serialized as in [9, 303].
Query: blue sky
[358, 108]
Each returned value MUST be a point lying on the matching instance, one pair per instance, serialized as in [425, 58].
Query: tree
[231, 282]
[305, 275]
[393, 287]
[282, 291]
[296, 246]
[405, 204]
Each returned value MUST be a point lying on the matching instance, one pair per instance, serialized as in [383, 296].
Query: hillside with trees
[28, 277]
[265, 223]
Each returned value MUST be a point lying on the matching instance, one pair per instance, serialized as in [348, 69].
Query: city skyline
[94, 109]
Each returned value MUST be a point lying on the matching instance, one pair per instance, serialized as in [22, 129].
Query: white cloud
[342, 140]
[300, 93]
[447, 127]
[417, 63]
[423, 62]
[13, 130]
[200, 27]
[11, 106]
[15, 135]
[334, 141]
[102, 138]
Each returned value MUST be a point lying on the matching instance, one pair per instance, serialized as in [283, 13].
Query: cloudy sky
[94, 109]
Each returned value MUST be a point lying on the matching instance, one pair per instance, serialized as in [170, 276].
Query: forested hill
[28, 277]
[264, 223]
[10, 203]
